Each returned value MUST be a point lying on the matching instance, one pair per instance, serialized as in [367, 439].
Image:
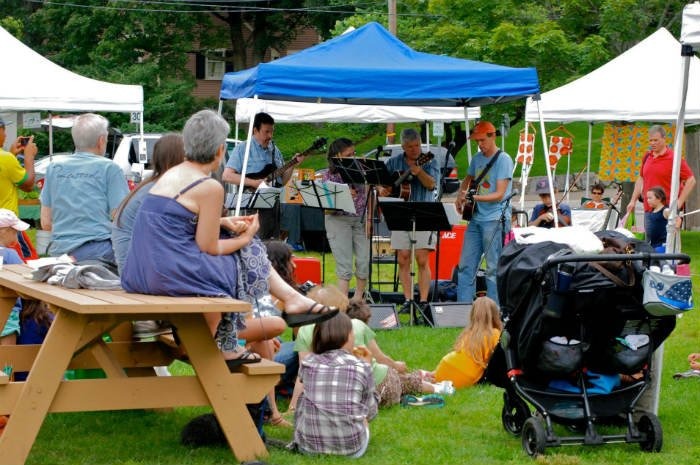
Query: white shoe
[444, 387]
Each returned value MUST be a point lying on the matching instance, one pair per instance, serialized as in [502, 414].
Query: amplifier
[450, 314]
[384, 316]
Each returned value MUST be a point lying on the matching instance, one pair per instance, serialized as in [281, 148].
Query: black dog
[205, 430]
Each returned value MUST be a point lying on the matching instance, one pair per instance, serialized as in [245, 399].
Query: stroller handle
[607, 257]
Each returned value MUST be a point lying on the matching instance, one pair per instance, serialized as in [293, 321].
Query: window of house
[215, 64]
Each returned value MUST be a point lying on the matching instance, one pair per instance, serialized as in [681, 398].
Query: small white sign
[438, 129]
[31, 120]
[135, 116]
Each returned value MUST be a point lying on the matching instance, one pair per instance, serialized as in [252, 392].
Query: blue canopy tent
[369, 66]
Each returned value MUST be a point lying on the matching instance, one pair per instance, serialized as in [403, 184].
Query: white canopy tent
[685, 104]
[39, 84]
[625, 89]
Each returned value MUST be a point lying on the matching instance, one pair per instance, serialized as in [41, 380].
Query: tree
[125, 42]
[256, 27]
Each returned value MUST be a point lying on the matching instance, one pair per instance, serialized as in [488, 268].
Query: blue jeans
[94, 250]
[480, 238]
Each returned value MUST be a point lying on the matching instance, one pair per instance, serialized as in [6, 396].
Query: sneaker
[405, 307]
[150, 328]
[444, 387]
[298, 247]
[687, 374]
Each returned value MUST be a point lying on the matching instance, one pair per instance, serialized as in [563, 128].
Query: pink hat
[8, 219]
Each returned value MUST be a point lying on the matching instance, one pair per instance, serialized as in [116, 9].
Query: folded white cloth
[579, 239]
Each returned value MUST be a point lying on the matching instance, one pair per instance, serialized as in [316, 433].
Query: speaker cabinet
[450, 314]
[384, 316]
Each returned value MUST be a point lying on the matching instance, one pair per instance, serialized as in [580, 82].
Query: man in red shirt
[657, 166]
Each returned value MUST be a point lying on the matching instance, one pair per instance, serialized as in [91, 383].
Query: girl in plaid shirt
[339, 399]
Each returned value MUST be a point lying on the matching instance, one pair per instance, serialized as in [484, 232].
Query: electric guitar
[402, 186]
[271, 172]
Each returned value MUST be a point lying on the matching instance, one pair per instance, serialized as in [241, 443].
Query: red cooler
[450, 250]
[307, 269]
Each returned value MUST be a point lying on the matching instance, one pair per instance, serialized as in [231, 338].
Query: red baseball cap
[482, 128]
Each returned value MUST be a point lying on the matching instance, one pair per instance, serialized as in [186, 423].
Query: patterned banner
[525, 148]
[559, 147]
[622, 150]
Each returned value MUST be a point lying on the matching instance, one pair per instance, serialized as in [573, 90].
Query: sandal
[246, 357]
[431, 400]
[313, 315]
[281, 422]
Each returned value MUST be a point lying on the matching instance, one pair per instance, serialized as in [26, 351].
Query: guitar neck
[292, 162]
[280, 171]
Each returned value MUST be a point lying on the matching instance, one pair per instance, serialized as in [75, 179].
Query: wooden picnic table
[75, 338]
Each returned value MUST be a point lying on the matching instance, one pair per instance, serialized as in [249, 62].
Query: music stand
[371, 173]
[412, 217]
[263, 198]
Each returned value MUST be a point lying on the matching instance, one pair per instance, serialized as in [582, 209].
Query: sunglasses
[597, 193]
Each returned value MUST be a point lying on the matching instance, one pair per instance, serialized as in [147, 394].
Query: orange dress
[461, 368]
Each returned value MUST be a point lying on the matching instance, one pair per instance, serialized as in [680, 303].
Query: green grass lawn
[467, 430]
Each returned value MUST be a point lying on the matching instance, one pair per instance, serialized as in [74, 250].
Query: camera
[24, 140]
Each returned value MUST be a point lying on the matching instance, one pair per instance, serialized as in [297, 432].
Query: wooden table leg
[40, 388]
[227, 399]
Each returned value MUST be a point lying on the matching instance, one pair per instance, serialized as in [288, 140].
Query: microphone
[513, 193]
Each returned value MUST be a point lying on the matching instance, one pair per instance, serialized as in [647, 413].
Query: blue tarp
[369, 66]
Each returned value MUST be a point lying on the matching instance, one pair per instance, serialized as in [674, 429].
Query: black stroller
[574, 327]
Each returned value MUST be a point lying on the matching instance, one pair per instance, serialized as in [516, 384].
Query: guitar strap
[478, 180]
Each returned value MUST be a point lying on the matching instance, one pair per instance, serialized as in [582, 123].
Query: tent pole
[50, 135]
[588, 158]
[568, 173]
[671, 230]
[221, 106]
[525, 168]
[245, 165]
[543, 134]
[469, 144]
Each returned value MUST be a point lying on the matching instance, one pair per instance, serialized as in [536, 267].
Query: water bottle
[565, 272]
[556, 301]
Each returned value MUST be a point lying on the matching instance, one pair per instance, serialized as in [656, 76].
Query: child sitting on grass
[339, 398]
[465, 365]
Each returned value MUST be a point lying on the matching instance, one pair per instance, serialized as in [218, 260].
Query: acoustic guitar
[270, 172]
[402, 185]
[469, 203]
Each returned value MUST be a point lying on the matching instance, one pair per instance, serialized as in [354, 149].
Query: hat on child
[3, 123]
[542, 186]
[8, 219]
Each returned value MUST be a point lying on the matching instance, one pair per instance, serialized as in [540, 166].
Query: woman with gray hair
[178, 247]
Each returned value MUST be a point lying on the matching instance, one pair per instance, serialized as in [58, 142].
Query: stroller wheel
[515, 412]
[650, 427]
[534, 437]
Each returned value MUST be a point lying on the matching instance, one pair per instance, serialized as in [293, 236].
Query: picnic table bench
[75, 340]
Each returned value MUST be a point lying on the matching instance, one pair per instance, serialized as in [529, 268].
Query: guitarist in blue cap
[264, 163]
[481, 200]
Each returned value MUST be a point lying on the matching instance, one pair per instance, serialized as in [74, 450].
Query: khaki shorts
[400, 240]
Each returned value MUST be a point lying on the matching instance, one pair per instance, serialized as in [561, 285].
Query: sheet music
[328, 195]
